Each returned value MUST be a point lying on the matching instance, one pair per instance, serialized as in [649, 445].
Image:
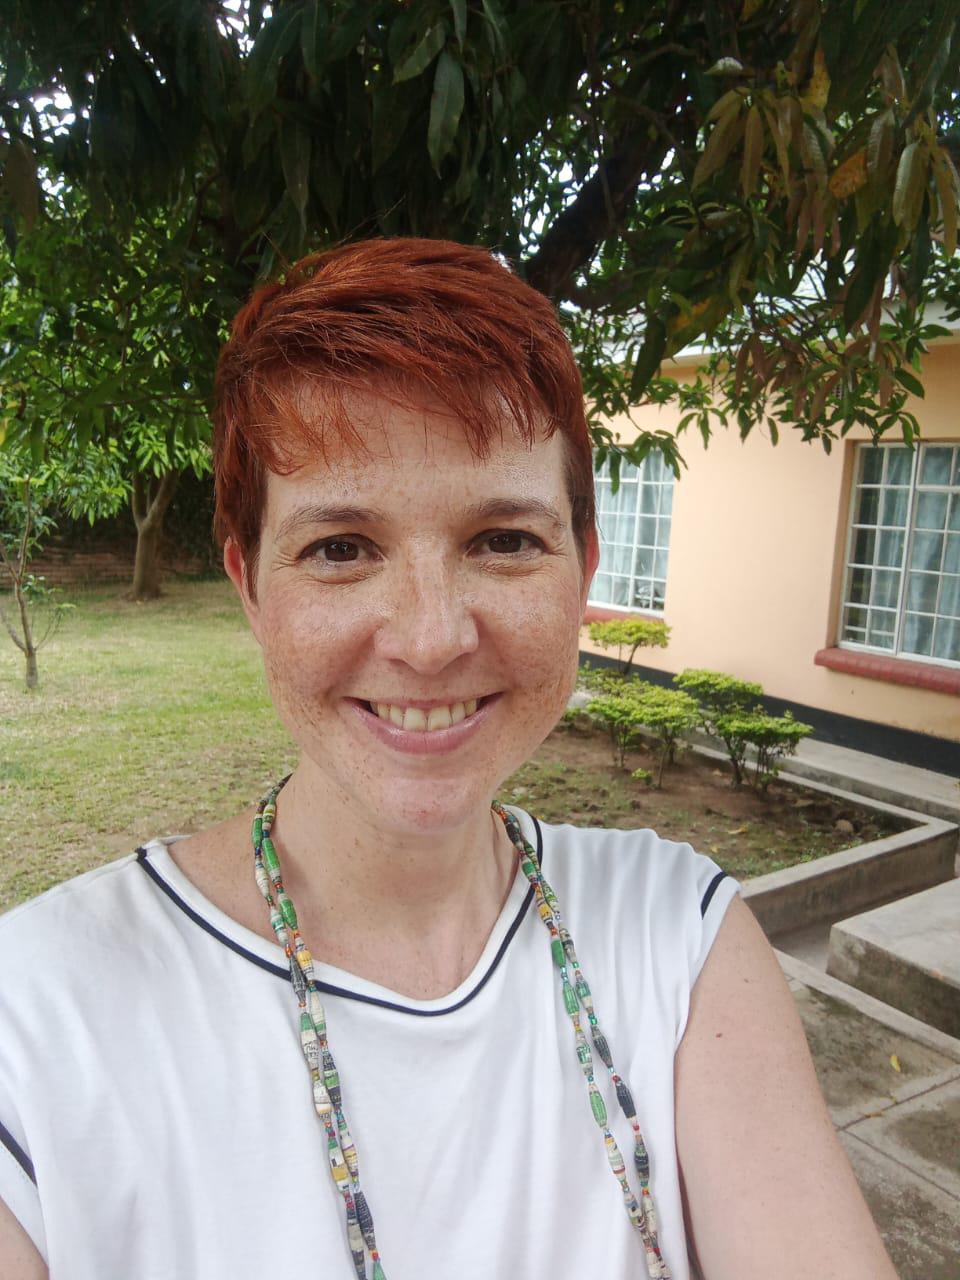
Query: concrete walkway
[930, 792]
[893, 1088]
[892, 1083]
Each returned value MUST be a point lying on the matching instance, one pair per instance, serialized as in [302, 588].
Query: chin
[428, 808]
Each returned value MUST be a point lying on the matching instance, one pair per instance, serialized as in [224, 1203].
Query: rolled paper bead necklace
[327, 1093]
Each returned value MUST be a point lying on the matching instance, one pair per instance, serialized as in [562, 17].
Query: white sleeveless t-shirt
[156, 1119]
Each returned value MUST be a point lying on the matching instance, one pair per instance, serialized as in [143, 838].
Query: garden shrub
[772, 737]
[618, 714]
[630, 634]
[724, 702]
[666, 713]
[601, 680]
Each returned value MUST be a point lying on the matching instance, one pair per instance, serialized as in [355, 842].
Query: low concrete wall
[841, 884]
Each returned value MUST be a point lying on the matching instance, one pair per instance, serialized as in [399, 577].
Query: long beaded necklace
[327, 1094]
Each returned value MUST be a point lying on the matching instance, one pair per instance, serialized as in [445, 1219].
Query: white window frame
[653, 610]
[896, 652]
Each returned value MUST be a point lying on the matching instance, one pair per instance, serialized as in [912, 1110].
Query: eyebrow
[493, 509]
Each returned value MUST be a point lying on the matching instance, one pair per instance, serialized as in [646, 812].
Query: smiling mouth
[425, 719]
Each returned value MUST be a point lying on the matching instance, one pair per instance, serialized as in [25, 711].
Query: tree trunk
[28, 646]
[149, 503]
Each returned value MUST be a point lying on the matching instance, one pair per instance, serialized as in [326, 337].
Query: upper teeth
[416, 718]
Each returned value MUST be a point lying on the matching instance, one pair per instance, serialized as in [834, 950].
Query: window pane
[949, 603]
[621, 558]
[868, 506]
[946, 642]
[871, 465]
[886, 588]
[854, 616]
[643, 563]
[899, 465]
[951, 561]
[922, 592]
[893, 509]
[860, 586]
[864, 541]
[954, 521]
[935, 466]
[649, 498]
[643, 597]
[890, 548]
[660, 564]
[659, 594]
[621, 591]
[931, 511]
[600, 589]
[927, 551]
[917, 634]
[666, 499]
[880, 628]
[647, 532]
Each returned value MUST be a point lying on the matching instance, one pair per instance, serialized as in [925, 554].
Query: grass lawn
[154, 718]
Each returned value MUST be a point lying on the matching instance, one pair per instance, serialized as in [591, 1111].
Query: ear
[591, 558]
[236, 568]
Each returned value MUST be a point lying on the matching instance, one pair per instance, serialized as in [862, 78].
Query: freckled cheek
[311, 647]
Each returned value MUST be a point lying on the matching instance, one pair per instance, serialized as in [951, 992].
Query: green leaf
[911, 180]
[649, 356]
[459, 8]
[313, 34]
[21, 182]
[37, 444]
[912, 384]
[752, 151]
[295, 161]
[417, 61]
[446, 107]
[723, 139]
[276, 38]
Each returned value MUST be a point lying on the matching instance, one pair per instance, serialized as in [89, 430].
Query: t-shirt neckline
[154, 858]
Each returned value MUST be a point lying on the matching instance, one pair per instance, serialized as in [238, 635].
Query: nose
[429, 620]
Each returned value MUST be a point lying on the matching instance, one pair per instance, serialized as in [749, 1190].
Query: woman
[452, 1084]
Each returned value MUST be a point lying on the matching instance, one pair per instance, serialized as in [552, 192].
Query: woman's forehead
[419, 448]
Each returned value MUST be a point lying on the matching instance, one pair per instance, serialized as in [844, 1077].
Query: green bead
[288, 911]
[378, 1272]
[583, 991]
[556, 950]
[527, 867]
[598, 1108]
[569, 998]
[257, 829]
[270, 859]
[584, 1054]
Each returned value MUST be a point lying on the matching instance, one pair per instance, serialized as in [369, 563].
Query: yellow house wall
[756, 560]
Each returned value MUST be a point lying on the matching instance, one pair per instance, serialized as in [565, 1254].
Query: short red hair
[419, 315]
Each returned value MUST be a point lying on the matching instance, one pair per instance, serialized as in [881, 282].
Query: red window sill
[874, 666]
[603, 613]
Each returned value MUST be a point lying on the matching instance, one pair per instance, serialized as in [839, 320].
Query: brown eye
[340, 552]
[509, 542]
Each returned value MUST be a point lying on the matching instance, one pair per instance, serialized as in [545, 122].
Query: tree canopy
[773, 178]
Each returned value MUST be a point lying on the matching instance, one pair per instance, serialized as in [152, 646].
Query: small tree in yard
[30, 494]
[666, 713]
[618, 714]
[729, 709]
[772, 737]
[629, 634]
[669, 714]
[723, 702]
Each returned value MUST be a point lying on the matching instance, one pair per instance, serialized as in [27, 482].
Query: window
[634, 536]
[902, 583]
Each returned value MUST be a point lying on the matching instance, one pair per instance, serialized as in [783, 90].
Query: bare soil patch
[572, 778]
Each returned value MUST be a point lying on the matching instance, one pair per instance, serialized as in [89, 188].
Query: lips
[419, 739]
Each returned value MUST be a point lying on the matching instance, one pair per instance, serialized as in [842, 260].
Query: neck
[412, 910]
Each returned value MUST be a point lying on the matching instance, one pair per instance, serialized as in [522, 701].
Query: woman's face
[418, 612]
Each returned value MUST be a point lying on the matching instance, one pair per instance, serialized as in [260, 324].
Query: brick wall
[63, 566]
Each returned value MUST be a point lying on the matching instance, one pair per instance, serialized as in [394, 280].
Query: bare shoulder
[219, 863]
[754, 1135]
[19, 1259]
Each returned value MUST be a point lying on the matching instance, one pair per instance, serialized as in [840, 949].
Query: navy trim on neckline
[143, 858]
[712, 888]
[18, 1153]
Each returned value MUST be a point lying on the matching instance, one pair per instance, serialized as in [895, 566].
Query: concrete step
[907, 954]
